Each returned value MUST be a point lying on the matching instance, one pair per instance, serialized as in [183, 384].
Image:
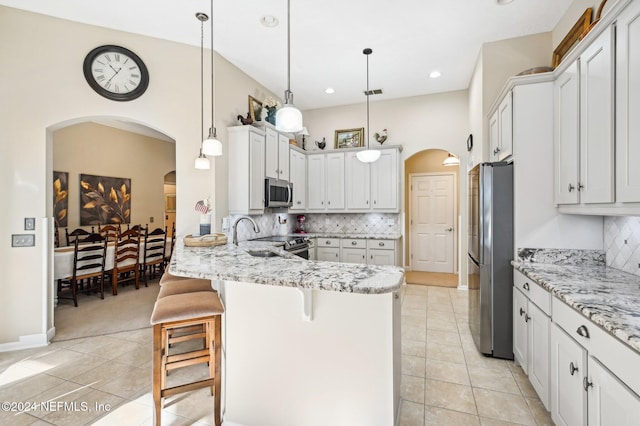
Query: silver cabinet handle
[583, 331]
[381, 244]
[525, 286]
[572, 368]
[375, 202]
[526, 318]
[580, 186]
[329, 202]
[586, 384]
[336, 254]
[327, 242]
[353, 243]
[521, 311]
[571, 187]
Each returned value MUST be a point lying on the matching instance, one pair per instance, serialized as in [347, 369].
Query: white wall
[43, 90]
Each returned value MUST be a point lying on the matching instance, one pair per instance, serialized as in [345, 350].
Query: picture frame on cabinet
[572, 37]
[349, 138]
[255, 108]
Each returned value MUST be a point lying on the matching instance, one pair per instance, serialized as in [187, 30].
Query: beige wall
[429, 161]
[44, 90]
[575, 11]
[94, 149]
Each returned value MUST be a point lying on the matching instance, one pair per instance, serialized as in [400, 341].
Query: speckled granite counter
[607, 296]
[339, 235]
[231, 263]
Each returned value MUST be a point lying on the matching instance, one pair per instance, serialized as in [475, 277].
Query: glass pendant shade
[212, 146]
[368, 155]
[451, 160]
[202, 162]
[289, 119]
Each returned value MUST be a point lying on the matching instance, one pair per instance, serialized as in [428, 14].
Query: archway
[432, 225]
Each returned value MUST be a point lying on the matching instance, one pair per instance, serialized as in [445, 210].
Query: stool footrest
[188, 387]
[187, 337]
[185, 360]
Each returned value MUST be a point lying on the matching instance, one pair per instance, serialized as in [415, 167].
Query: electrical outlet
[390, 222]
[29, 223]
[151, 219]
[23, 240]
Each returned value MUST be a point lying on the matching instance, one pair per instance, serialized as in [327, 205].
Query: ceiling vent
[373, 92]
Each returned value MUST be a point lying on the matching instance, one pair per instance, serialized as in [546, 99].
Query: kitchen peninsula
[305, 342]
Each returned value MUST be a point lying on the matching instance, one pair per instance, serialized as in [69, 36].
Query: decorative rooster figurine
[247, 120]
[381, 137]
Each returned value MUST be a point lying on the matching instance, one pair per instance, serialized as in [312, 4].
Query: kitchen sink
[262, 253]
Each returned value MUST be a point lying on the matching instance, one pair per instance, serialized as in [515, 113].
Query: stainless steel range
[294, 245]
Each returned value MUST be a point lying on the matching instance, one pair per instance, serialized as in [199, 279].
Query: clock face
[116, 73]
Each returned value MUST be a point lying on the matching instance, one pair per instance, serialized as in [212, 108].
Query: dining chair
[89, 256]
[56, 236]
[73, 235]
[126, 262]
[167, 257]
[110, 232]
[154, 252]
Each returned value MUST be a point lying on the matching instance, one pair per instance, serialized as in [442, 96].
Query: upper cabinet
[246, 177]
[628, 104]
[501, 130]
[276, 155]
[298, 177]
[325, 182]
[372, 186]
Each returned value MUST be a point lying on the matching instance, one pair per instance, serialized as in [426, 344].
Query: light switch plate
[390, 222]
[29, 223]
[23, 240]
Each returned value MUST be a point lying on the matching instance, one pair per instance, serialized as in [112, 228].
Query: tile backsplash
[283, 223]
[622, 243]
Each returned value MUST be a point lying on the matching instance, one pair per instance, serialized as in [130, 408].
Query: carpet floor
[129, 310]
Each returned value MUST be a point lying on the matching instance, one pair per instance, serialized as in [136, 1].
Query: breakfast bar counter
[304, 342]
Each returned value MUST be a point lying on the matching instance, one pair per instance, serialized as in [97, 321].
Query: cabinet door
[628, 104]
[381, 257]
[357, 182]
[539, 325]
[610, 401]
[568, 367]
[256, 171]
[335, 181]
[283, 157]
[384, 181]
[520, 340]
[596, 121]
[494, 143]
[351, 255]
[566, 135]
[328, 254]
[298, 177]
[505, 127]
[271, 154]
[315, 182]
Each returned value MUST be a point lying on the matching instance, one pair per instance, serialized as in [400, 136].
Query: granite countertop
[607, 296]
[341, 235]
[232, 263]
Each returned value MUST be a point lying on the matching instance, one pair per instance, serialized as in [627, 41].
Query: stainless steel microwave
[278, 193]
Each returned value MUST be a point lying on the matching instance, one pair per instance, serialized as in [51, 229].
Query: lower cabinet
[353, 250]
[381, 252]
[610, 402]
[328, 249]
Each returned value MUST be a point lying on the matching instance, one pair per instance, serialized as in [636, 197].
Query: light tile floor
[106, 380]
[445, 380]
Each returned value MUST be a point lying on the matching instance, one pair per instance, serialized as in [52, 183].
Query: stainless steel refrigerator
[490, 254]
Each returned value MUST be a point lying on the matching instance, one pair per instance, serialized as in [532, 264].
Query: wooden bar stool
[167, 278]
[200, 309]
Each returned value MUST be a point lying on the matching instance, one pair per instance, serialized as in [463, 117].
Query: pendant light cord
[288, 92]
[201, 81]
[367, 135]
[213, 99]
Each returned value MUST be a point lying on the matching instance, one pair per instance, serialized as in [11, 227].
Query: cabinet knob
[572, 368]
[571, 187]
[353, 243]
[381, 244]
[367, 201]
[328, 202]
[336, 254]
[375, 202]
[525, 286]
[521, 311]
[526, 318]
[327, 242]
[586, 384]
[580, 186]
[583, 331]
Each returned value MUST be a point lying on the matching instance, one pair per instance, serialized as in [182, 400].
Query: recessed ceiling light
[503, 2]
[435, 74]
[269, 21]
[329, 90]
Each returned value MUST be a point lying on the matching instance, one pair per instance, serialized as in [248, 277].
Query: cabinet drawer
[535, 292]
[381, 244]
[354, 243]
[615, 355]
[328, 242]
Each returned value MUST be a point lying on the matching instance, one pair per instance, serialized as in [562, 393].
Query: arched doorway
[432, 207]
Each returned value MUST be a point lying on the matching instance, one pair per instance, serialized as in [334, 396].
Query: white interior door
[432, 222]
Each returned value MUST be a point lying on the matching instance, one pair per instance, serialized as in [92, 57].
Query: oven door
[302, 252]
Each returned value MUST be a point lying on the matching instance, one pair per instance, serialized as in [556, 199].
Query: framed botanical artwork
[60, 198]
[349, 138]
[104, 200]
[255, 108]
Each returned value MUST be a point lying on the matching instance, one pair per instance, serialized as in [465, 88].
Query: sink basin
[262, 253]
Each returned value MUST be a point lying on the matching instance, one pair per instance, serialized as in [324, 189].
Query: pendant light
[451, 160]
[288, 117]
[211, 145]
[202, 162]
[369, 155]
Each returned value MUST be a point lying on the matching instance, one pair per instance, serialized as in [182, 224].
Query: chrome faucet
[256, 228]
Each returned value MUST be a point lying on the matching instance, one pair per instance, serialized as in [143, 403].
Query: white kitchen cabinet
[246, 177]
[385, 181]
[382, 252]
[501, 130]
[628, 104]
[353, 250]
[276, 154]
[316, 187]
[584, 142]
[531, 328]
[328, 254]
[298, 177]
[335, 181]
[313, 243]
[568, 367]
[610, 402]
[357, 183]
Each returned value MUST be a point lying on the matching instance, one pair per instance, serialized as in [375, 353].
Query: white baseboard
[26, 342]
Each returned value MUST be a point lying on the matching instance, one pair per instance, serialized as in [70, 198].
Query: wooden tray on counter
[208, 240]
